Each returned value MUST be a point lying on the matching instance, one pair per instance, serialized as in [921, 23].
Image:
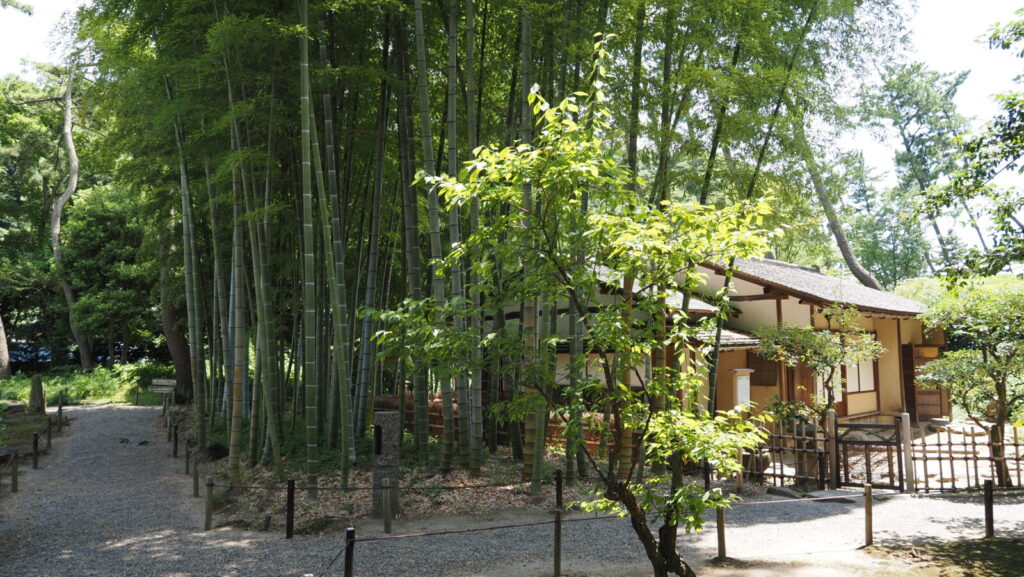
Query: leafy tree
[883, 230]
[568, 257]
[823, 351]
[983, 156]
[103, 235]
[985, 373]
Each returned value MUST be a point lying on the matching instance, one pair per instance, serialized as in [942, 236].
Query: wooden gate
[869, 453]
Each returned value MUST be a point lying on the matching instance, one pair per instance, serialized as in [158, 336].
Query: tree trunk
[834, 224]
[196, 361]
[177, 344]
[84, 348]
[366, 347]
[240, 346]
[5, 354]
[410, 216]
[433, 221]
[309, 293]
[476, 418]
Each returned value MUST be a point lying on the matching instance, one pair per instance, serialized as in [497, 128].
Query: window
[766, 373]
[860, 378]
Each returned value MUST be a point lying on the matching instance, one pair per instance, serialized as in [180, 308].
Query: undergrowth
[102, 385]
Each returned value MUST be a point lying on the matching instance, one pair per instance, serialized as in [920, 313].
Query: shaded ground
[109, 500]
[971, 558]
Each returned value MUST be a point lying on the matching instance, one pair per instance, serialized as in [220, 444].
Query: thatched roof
[812, 286]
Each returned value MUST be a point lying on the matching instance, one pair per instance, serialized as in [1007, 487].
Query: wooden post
[195, 478]
[208, 522]
[14, 473]
[869, 534]
[990, 529]
[289, 514]
[350, 545]
[49, 432]
[832, 432]
[558, 522]
[386, 505]
[35, 450]
[188, 457]
[908, 453]
[174, 447]
[60, 412]
[720, 521]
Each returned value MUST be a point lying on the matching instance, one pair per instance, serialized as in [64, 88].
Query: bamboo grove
[289, 157]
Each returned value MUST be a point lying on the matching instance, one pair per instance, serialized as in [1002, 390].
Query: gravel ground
[109, 500]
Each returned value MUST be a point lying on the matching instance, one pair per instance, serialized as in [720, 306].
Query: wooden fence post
[720, 521]
[174, 447]
[289, 514]
[14, 473]
[869, 534]
[990, 529]
[195, 478]
[908, 453]
[350, 542]
[832, 432]
[49, 432]
[208, 520]
[60, 412]
[558, 522]
[386, 504]
[188, 457]
[35, 450]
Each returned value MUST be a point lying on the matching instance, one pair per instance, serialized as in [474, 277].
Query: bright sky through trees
[948, 35]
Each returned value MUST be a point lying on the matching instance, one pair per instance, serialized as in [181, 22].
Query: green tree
[823, 351]
[567, 257]
[917, 102]
[984, 374]
[996, 149]
[883, 230]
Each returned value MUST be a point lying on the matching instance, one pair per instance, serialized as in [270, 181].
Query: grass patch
[969, 558]
[101, 386]
[17, 431]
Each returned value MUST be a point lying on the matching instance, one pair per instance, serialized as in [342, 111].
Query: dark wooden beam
[768, 295]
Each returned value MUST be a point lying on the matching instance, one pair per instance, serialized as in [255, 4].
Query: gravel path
[101, 506]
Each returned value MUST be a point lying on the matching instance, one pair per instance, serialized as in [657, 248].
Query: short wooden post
[386, 505]
[49, 432]
[990, 528]
[208, 522]
[350, 545]
[289, 514]
[60, 412]
[14, 473]
[558, 522]
[869, 534]
[174, 447]
[821, 471]
[188, 457]
[720, 521]
[35, 450]
[195, 478]
[832, 433]
[907, 437]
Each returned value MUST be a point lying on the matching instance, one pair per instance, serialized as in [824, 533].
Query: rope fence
[37, 437]
[348, 549]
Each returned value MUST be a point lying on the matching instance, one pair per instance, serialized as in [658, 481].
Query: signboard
[163, 386]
